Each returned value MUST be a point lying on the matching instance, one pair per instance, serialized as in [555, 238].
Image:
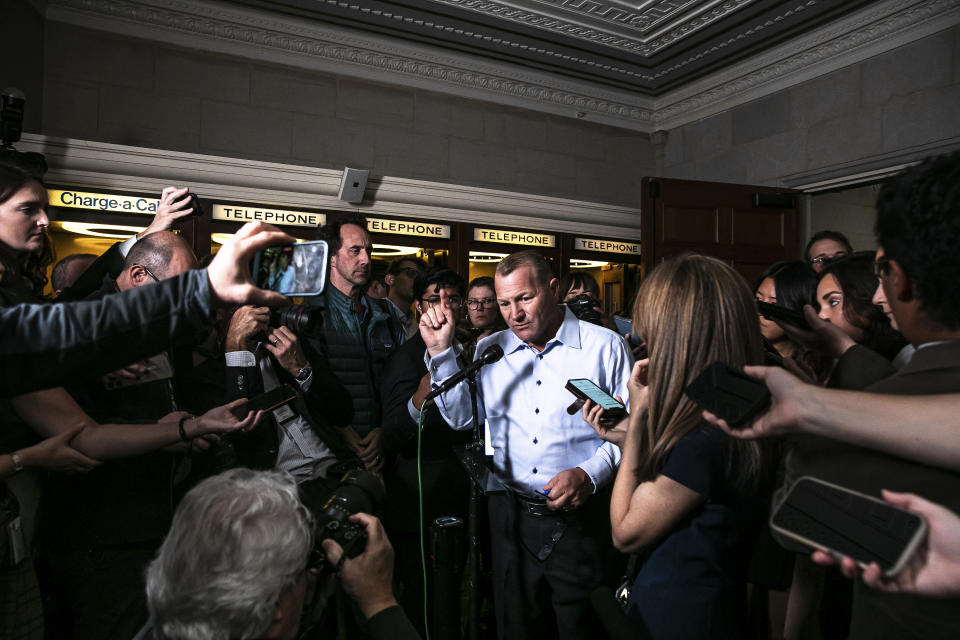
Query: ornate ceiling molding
[881, 27]
[240, 31]
[619, 25]
[236, 30]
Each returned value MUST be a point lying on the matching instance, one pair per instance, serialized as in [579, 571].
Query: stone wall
[21, 56]
[888, 109]
[110, 88]
[851, 212]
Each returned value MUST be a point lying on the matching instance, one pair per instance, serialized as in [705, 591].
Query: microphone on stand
[490, 355]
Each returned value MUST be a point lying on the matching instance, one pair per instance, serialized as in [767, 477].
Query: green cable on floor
[423, 553]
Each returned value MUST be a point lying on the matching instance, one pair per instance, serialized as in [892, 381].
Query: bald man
[156, 257]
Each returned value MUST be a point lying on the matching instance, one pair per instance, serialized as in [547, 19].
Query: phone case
[610, 414]
[728, 394]
[783, 314]
[253, 404]
[798, 536]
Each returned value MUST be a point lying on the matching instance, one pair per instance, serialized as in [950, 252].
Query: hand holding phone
[826, 517]
[783, 314]
[585, 390]
[728, 394]
[268, 401]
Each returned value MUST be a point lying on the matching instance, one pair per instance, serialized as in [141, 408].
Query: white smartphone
[294, 270]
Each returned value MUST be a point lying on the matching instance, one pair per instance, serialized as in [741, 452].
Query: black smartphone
[276, 397]
[297, 270]
[194, 204]
[824, 516]
[728, 394]
[587, 390]
[783, 314]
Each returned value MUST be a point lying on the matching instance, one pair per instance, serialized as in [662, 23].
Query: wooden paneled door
[748, 226]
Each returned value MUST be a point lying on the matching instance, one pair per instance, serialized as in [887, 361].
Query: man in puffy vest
[358, 334]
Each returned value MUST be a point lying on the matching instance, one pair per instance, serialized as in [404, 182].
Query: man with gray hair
[235, 565]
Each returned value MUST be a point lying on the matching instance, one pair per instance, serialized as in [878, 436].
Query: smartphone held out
[587, 390]
[295, 270]
[826, 517]
[269, 401]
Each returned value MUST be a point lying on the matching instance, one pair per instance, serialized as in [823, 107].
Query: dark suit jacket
[858, 368]
[445, 484]
[933, 369]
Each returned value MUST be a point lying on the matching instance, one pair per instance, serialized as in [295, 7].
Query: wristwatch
[304, 373]
[17, 462]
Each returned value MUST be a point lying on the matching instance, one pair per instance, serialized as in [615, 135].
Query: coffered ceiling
[645, 64]
[647, 46]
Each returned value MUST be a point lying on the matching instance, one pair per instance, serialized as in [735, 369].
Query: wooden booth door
[748, 226]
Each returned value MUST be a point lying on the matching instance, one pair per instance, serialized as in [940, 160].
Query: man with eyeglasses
[445, 485]
[917, 263]
[399, 281]
[101, 528]
[825, 246]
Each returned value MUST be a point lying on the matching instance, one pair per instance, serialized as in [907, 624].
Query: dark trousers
[549, 597]
[96, 595]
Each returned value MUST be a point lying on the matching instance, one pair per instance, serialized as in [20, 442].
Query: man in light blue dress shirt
[551, 542]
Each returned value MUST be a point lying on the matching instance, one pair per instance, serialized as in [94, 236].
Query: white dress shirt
[524, 401]
[300, 452]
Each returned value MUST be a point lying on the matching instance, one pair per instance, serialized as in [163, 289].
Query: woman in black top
[685, 495]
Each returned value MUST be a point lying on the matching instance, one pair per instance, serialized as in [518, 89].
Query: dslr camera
[584, 306]
[358, 491]
[301, 319]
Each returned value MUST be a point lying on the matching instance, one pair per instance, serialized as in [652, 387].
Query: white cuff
[127, 244]
[240, 359]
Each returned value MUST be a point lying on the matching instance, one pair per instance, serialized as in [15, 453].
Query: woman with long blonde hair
[687, 496]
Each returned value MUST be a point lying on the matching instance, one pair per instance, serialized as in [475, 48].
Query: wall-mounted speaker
[352, 184]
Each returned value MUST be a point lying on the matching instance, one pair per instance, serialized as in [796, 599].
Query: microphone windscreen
[491, 354]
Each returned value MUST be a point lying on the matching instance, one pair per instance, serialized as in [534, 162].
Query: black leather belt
[537, 508]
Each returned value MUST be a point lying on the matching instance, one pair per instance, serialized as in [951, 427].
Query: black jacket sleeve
[110, 263]
[391, 623]
[43, 345]
[858, 368]
[243, 382]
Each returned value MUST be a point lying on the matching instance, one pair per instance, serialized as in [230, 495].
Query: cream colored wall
[850, 212]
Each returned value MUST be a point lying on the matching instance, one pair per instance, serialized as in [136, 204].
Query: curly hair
[918, 225]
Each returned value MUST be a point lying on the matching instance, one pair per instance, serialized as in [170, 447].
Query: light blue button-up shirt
[524, 401]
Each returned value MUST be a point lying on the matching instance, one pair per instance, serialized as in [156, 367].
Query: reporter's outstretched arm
[933, 571]
[873, 421]
[51, 411]
[368, 580]
[52, 454]
[43, 345]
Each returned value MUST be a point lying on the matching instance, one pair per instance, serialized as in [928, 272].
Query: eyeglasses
[149, 273]
[880, 266]
[476, 303]
[822, 259]
[410, 271]
[453, 301]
